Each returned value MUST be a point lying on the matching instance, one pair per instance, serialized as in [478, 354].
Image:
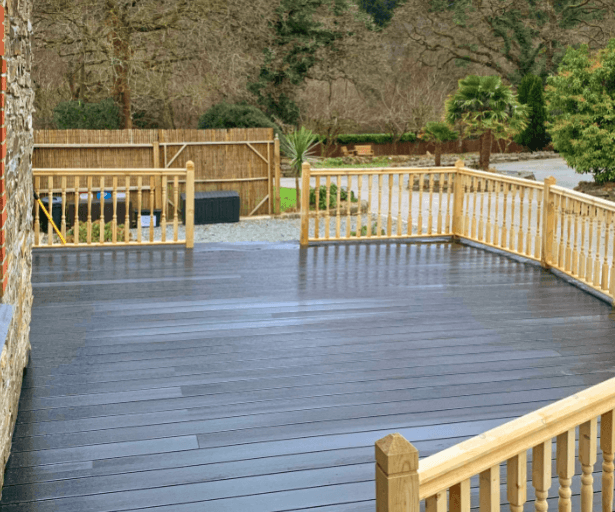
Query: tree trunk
[298, 193]
[485, 150]
[438, 152]
[120, 39]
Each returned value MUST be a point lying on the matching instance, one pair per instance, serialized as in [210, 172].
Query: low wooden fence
[571, 232]
[244, 160]
[90, 219]
[402, 482]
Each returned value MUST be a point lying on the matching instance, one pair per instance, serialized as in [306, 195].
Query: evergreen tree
[531, 93]
[381, 11]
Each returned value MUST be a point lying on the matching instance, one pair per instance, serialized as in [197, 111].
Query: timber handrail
[402, 482]
[138, 187]
[569, 231]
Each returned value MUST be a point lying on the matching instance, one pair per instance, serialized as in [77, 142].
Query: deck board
[258, 376]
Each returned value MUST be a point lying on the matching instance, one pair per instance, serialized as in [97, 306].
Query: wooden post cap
[550, 180]
[460, 164]
[395, 455]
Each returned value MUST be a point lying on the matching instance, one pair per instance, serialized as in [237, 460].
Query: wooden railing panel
[126, 187]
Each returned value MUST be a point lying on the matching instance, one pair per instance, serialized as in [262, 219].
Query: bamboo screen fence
[244, 160]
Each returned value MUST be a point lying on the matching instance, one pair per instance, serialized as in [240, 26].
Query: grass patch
[338, 162]
[288, 198]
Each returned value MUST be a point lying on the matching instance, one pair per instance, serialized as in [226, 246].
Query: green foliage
[530, 93]
[438, 132]
[83, 232]
[78, 115]
[299, 147]
[581, 100]
[378, 161]
[381, 11]
[364, 230]
[229, 115]
[371, 138]
[298, 39]
[483, 103]
[322, 196]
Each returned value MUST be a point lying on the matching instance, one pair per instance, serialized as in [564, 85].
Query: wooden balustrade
[402, 482]
[82, 206]
[569, 231]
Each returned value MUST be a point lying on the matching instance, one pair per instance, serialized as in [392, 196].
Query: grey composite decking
[252, 377]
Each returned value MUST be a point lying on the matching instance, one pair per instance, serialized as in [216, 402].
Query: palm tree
[299, 147]
[438, 133]
[487, 108]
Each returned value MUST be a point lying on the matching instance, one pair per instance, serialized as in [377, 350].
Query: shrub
[371, 138]
[83, 232]
[228, 115]
[322, 197]
[581, 99]
[364, 230]
[78, 115]
[530, 93]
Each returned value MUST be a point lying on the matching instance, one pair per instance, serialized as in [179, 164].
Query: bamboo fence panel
[246, 160]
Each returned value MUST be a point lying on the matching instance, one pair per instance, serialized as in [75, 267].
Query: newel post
[548, 223]
[458, 200]
[397, 478]
[189, 205]
[305, 203]
[276, 163]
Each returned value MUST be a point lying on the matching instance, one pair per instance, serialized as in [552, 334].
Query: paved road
[556, 167]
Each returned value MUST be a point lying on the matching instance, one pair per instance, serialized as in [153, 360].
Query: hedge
[370, 138]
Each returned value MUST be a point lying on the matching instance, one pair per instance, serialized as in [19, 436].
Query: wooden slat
[565, 458]
[489, 484]
[607, 445]
[459, 496]
[541, 474]
[516, 481]
[587, 457]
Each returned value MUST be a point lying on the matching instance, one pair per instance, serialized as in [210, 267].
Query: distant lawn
[379, 161]
[288, 198]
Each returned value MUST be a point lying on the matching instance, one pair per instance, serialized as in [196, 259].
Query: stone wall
[16, 199]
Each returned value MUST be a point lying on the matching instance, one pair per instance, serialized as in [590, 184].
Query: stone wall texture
[17, 198]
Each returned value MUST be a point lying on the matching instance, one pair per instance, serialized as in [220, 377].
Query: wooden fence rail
[443, 481]
[89, 218]
[571, 232]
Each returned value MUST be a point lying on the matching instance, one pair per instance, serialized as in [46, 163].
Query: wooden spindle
[63, 220]
[496, 223]
[590, 247]
[101, 222]
[419, 230]
[539, 221]
[562, 240]
[528, 235]
[37, 213]
[605, 263]
[430, 215]
[163, 213]
[410, 196]
[521, 233]
[50, 210]
[359, 209]
[114, 222]
[481, 217]
[397, 479]
[140, 207]
[152, 218]
[317, 209]
[327, 214]
[582, 258]
[348, 203]
[489, 490]
[574, 266]
[474, 189]
[176, 203]
[400, 183]
[607, 445]
[338, 220]
[76, 220]
[89, 226]
[541, 474]
[459, 496]
[569, 213]
[449, 193]
[597, 271]
[378, 220]
[440, 187]
[436, 503]
[564, 465]
[467, 223]
[513, 231]
[127, 208]
[490, 184]
[306, 171]
[390, 206]
[516, 480]
[587, 457]
[504, 238]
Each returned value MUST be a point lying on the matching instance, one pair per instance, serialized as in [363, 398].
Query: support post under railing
[548, 223]
[189, 205]
[397, 478]
[276, 163]
[458, 201]
[305, 203]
